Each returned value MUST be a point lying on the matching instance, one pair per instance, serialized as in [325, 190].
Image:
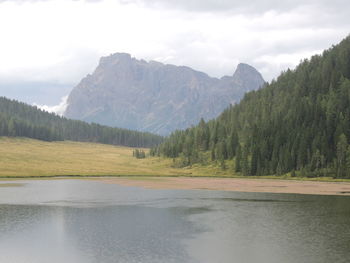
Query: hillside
[21, 120]
[299, 122]
[154, 97]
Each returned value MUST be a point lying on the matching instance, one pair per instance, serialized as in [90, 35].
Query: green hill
[299, 122]
[21, 120]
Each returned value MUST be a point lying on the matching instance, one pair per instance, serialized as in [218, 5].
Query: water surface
[86, 221]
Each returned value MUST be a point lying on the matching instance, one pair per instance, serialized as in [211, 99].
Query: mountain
[299, 122]
[154, 97]
[18, 119]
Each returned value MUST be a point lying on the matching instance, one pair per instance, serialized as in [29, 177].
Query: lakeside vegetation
[29, 158]
[299, 124]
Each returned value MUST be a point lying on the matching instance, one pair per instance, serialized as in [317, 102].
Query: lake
[88, 221]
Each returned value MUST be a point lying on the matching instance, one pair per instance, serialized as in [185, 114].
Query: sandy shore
[235, 184]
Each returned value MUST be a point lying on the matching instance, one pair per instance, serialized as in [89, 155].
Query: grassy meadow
[22, 157]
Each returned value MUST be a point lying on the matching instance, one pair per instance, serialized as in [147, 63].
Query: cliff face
[151, 96]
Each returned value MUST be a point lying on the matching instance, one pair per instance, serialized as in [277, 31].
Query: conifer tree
[238, 161]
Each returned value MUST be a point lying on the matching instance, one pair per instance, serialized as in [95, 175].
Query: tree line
[20, 119]
[298, 124]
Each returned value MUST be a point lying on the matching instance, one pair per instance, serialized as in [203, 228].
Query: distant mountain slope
[21, 120]
[151, 96]
[300, 122]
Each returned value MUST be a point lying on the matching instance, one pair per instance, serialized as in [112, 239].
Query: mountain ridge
[151, 96]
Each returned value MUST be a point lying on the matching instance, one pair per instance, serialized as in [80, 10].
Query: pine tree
[238, 160]
[245, 161]
[342, 148]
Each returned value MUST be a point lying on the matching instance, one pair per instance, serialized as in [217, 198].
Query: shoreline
[142, 176]
[234, 184]
[280, 186]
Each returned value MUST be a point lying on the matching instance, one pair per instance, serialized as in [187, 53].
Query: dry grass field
[22, 157]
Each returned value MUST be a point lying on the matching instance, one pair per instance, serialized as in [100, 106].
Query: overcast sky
[48, 46]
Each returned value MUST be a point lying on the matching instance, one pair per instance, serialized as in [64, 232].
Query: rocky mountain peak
[151, 96]
[115, 58]
[245, 68]
[248, 76]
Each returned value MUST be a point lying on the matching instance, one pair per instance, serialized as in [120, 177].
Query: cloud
[238, 6]
[58, 109]
[39, 92]
[60, 41]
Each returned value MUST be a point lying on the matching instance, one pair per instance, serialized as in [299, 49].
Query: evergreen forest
[297, 124]
[18, 119]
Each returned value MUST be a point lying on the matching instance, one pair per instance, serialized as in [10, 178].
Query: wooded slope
[21, 120]
[298, 122]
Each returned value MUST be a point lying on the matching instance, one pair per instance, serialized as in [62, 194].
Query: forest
[297, 124]
[18, 119]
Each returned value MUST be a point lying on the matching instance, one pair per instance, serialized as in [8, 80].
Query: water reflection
[83, 221]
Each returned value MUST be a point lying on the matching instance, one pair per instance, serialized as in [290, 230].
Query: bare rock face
[151, 96]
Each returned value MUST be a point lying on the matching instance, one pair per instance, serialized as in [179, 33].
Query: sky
[48, 46]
